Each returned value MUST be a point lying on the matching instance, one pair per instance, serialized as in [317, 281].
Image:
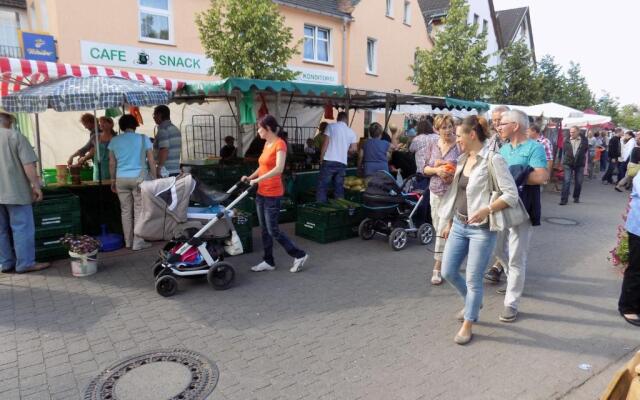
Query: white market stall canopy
[548, 110]
[418, 109]
[586, 120]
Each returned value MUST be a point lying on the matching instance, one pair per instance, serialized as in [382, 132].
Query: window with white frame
[476, 17]
[372, 56]
[317, 44]
[33, 21]
[9, 43]
[406, 18]
[389, 12]
[155, 21]
[485, 26]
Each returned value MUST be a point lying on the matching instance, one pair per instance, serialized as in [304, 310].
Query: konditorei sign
[320, 76]
[138, 57]
[39, 47]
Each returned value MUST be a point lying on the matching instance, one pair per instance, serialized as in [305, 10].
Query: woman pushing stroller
[268, 177]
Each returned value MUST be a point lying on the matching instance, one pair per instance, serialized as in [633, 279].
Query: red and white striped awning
[16, 73]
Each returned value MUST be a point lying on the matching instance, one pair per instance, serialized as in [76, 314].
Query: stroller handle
[239, 185]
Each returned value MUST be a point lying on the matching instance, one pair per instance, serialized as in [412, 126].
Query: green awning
[227, 86]
[468, 104]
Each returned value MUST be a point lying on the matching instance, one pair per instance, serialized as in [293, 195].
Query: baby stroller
[200, 242]
[391, 211]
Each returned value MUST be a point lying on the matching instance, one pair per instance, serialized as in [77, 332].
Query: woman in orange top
[268, 177]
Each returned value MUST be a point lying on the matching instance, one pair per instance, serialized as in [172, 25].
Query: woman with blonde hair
[465, 212]
[439, 160]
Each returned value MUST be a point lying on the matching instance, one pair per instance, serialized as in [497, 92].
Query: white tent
[553, 110]
[586, 119]
[428, 109]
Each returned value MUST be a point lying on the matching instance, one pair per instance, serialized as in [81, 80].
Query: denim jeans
[612, 169]
[17, 237]
[268, 211]
[330, 171]
[476, 244]
[575, 173]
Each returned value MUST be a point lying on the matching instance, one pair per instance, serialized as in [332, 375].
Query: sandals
[436, 278]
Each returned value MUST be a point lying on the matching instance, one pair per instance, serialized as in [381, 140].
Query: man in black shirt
[614, 152]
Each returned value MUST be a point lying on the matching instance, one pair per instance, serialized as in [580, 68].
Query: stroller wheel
[425, 233]
[398, 239]
[166, 286]
[366, 229]
[157, 268]
[221, 275]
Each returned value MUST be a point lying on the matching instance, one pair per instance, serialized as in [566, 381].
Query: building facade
[13, 19]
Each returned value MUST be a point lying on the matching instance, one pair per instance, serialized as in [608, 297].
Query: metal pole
[38, 146]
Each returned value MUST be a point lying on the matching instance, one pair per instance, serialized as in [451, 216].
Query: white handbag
[508, 217]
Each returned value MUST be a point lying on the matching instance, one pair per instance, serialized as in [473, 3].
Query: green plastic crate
[309, 230]
[326, 216]
[57, 231]
[57, 219]
[50, 249]
[353, 195]
[54, 204]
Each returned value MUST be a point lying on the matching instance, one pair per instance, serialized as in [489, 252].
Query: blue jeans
[476, 244]
[331, 171]
[566, 184]
[268, 209]
[17, 237]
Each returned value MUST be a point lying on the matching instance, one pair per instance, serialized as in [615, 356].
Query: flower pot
[84, 264]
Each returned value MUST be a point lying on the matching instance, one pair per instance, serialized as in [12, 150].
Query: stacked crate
[243, 222]
[325, 223]
[55, 216]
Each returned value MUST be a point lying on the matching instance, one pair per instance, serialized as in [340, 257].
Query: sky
[603, 36]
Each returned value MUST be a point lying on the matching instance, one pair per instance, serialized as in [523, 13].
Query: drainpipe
[345, 21]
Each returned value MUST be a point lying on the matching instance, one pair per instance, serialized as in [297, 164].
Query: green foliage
[457, 64]
[578, 94]
[246, 39]
[516, 80]
[552, 81]
[630, 117]
[608, 105]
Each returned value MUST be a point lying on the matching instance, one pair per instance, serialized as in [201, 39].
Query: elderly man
[523, 154]
[19, 187]
[573, 162]
[167, 144]
[494, 273]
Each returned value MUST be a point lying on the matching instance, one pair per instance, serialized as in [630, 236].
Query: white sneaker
[263, 266]
[298, 263]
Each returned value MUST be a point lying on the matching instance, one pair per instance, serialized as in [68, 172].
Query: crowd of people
[484, 181]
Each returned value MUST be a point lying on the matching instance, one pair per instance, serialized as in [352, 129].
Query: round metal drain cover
[561, 221]
[176, 374]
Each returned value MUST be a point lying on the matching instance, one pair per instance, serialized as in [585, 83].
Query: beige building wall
[116, 22]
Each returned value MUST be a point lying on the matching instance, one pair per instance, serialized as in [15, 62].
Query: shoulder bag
[508, 217]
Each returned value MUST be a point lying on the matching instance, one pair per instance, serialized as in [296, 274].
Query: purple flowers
[80, 244]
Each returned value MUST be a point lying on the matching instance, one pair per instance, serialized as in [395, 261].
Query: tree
[457, 64]
[578, 94]
[246, 39]
[608, 105]
[630, 117]
[516, 80]
[552, 80]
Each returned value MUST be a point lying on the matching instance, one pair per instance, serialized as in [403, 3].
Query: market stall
[79, 93]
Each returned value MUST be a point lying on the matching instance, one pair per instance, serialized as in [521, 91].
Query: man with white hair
[527, 155]
[19, 187]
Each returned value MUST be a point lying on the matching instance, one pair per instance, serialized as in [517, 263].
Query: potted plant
[83, 251]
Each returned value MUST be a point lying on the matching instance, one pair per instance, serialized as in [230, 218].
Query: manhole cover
[561, 221]
[163, 374]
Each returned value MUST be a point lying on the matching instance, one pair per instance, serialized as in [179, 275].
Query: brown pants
[130, 207]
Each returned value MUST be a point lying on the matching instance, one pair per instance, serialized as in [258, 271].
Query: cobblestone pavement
[360, 322]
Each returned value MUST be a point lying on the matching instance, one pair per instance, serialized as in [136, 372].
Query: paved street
[360, 322]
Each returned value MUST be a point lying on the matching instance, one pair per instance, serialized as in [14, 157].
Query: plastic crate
[58, 219]
[50, 249]
[326, 216]
[57, 231]
[309, 230]
[287, 211]
[54, 204]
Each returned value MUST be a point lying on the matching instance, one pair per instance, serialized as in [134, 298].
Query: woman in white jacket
[466, 208]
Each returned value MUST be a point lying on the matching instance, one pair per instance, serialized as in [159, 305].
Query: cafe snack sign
[143, 58]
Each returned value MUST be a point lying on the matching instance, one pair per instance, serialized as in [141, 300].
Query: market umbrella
[87, 93]
[553, 110]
